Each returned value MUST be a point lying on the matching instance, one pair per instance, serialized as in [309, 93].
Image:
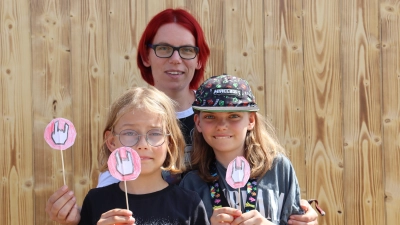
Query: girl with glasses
[144, 119]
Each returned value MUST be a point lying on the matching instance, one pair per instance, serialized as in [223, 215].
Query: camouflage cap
[225, 93]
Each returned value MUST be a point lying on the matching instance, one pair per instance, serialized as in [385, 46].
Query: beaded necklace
[219, 200]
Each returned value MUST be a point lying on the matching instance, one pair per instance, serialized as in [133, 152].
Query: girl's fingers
[116, 216]
[224, 215]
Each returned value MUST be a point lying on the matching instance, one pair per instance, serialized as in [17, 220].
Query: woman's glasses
[166, 51]
[129, 138]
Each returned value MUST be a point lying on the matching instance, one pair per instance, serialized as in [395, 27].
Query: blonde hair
[261, 147]
[155, 101]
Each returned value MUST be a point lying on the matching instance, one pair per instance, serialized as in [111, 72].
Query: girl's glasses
[129, 138]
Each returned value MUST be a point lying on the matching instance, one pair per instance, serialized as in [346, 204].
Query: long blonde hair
[152, 100]
[261, 147]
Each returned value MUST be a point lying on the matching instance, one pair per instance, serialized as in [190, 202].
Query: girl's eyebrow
[137, 125]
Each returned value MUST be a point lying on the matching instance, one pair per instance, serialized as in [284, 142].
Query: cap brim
[226, 109]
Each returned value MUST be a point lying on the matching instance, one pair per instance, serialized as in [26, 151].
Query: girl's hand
[117, 217]
[224, 215]
[251, 217]
[309, 218]
[62, 208]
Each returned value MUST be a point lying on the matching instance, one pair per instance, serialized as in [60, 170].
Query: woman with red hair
[172, 55]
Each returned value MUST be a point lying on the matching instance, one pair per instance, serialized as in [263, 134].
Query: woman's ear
[197, 122]
[199, 65]
[252, 121]
[146, 62]
[109, 139]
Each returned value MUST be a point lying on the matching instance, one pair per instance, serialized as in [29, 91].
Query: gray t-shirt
[278, 194]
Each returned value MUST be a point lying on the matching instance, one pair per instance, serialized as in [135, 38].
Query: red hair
[185, 19]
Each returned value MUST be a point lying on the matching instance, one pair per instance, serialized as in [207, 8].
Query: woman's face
[174, 73]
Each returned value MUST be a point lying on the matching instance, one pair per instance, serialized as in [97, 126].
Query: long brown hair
[261, 147]
[152, 100]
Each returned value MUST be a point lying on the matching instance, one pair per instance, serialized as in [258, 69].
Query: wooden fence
[325, 73]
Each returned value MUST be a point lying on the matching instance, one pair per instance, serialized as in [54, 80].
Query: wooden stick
[62, 162]
[126, 196]
[240, 201]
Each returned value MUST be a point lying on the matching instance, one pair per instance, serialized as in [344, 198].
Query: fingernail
[64, 188]
[70, 193]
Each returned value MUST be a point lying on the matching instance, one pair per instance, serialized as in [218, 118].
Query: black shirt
[172, 205]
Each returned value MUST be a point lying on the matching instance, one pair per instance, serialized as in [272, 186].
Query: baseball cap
[225, 93]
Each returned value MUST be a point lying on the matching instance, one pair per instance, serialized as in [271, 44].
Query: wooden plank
[51, 88]
[90, 88]
[155, 6]
[360, 53]
[244, 43]
[322, 89]
[210, 15]
[127, 21]
[390, 21]
[16, 161]
[284, 79]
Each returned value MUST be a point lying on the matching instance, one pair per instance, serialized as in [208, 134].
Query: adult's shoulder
[105, 179]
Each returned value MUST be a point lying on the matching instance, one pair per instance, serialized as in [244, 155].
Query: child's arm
[309, 218]
[294, 210]
[62, 208]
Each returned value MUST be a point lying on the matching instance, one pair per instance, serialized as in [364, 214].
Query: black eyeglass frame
[173, 50]
[139, 136]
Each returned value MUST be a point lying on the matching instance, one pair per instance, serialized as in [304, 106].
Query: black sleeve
[86, 212]
[199, 214]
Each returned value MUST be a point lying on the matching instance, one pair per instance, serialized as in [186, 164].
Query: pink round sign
[60, 134]
[238, 172]
[124, 164]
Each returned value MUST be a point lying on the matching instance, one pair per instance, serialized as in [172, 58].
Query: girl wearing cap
[227, 126]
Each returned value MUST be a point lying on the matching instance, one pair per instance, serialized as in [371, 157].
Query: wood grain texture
[390, 30]
[127, 21]
[52, 96]
[89, 87]
[362, 113]
[322, 94]
[16, 137]
[209, 14]
[284, 80]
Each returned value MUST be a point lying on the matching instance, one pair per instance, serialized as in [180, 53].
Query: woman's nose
[175, 58]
